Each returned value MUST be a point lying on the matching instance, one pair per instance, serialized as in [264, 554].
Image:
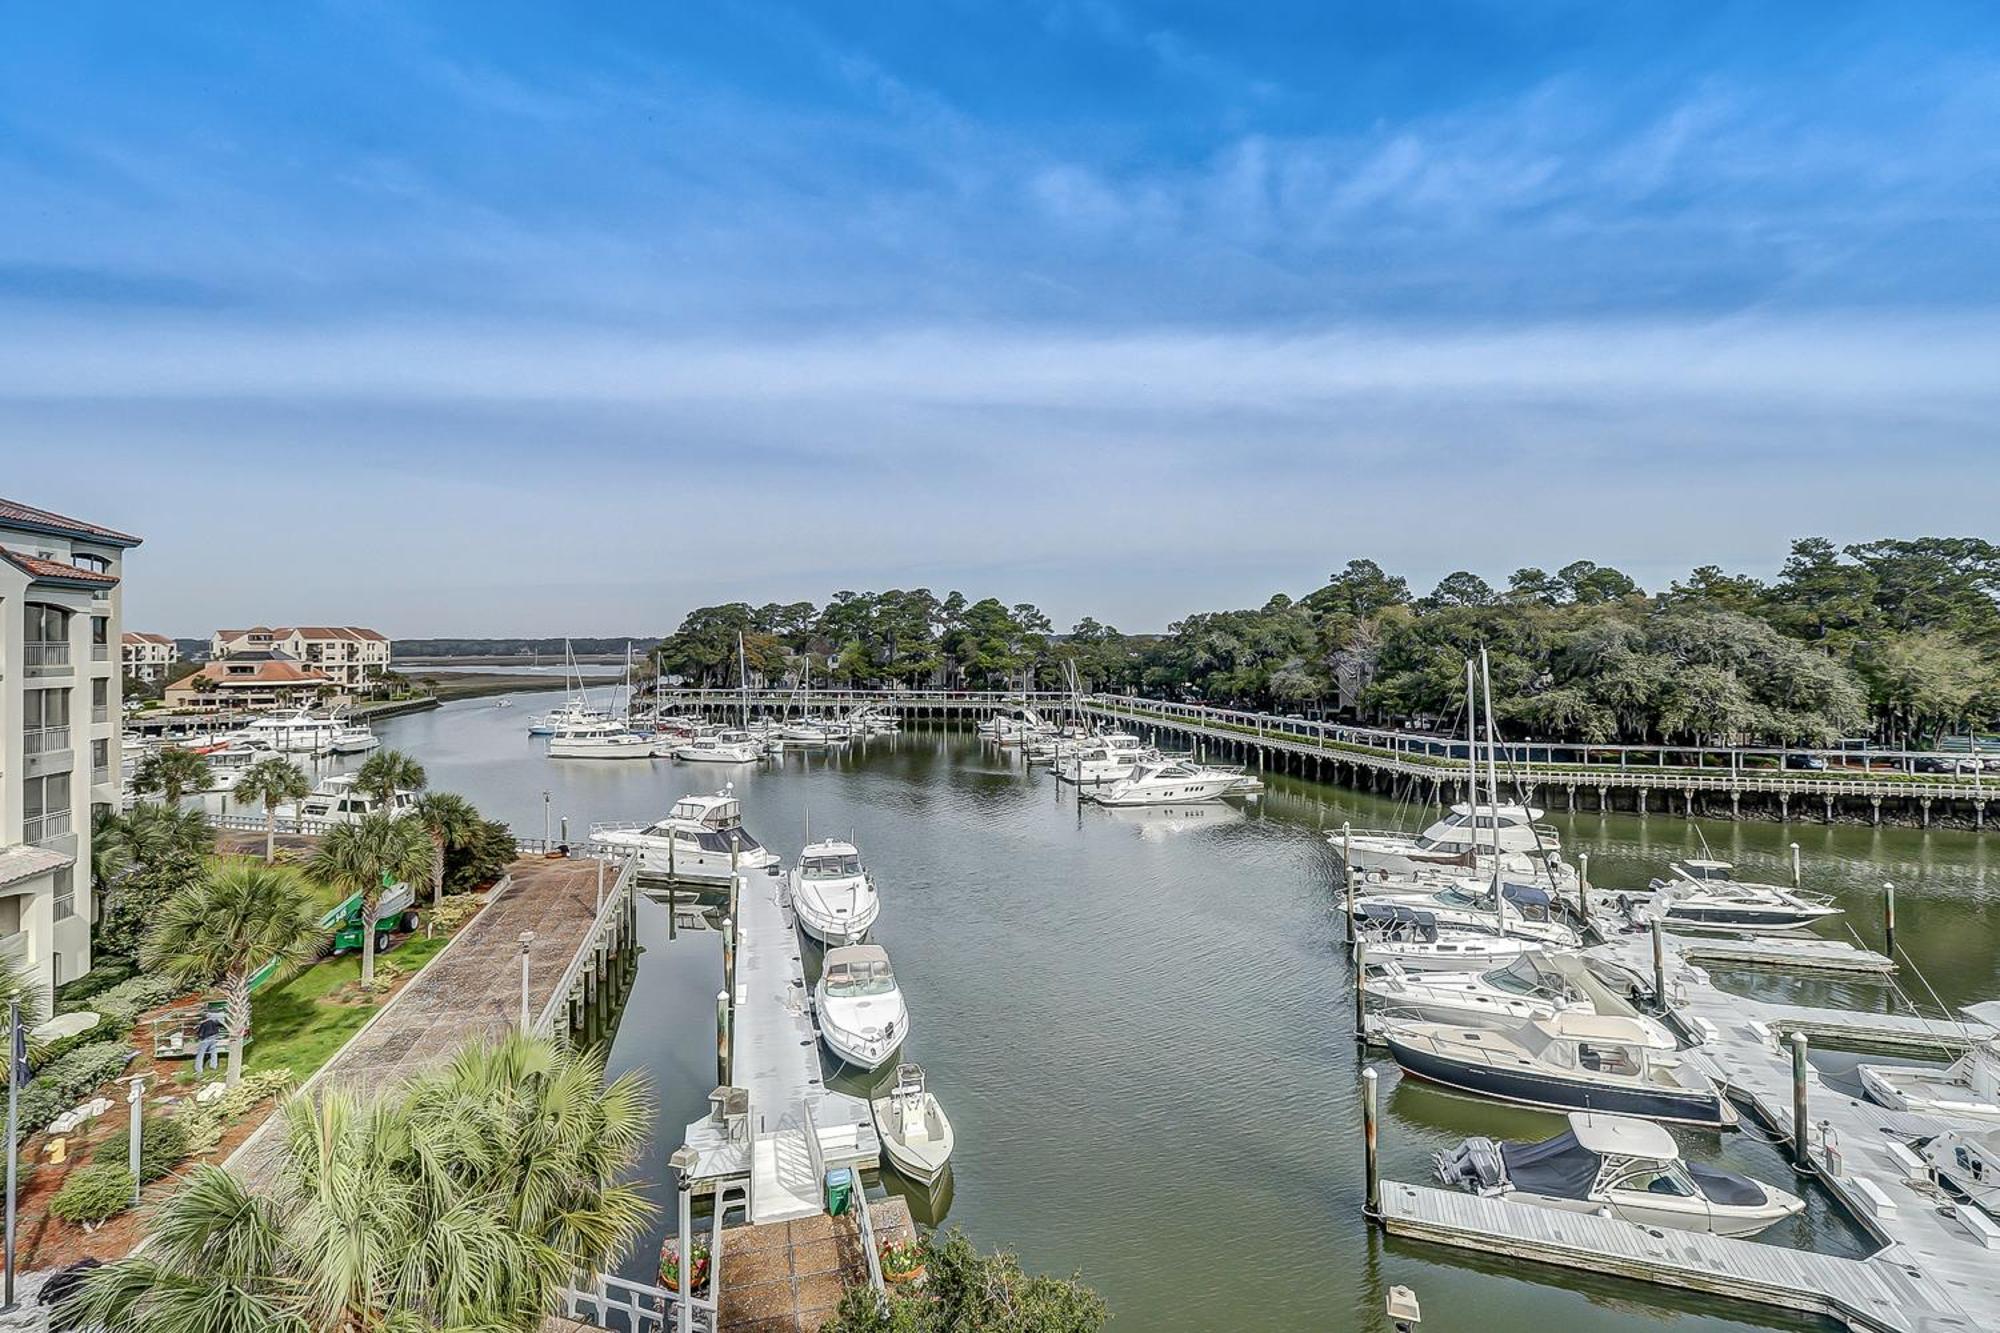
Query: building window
[100, 631]
[100, 760]
[65, 895]
[45, 807]
[47, 624]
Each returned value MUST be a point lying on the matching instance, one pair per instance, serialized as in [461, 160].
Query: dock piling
[722, 1017]
[1372, 1164]
[729, 954]
[1801, 1134]
[1360, 991]
[1889, 919]
[1583, 888]
[1659, 966]
[1795, 865]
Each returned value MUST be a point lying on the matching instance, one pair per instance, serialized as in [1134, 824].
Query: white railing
[46, 829]
[625, 1306]
[44, 740]
[41, 657]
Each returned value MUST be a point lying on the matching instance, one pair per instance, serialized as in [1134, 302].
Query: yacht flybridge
[1623, 1167]
[832, 895]
[720, 747]
[1521, 910]
[693, 843]
[861, 1014]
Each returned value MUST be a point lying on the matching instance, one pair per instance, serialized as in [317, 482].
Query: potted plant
[902, 1261]
[670, 1265]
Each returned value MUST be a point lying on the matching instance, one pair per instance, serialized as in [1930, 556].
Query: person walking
[208, 1041]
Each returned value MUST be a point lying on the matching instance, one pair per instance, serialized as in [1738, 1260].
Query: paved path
[470, 990]
[784, 1277]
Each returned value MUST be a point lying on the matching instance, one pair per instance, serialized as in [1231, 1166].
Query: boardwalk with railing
[1871, 785]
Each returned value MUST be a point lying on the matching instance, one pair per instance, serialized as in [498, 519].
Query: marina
[1279, 858]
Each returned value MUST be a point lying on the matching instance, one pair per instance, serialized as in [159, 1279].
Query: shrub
[107, 1029]
[965, 1292]
[455, 911]
[64, 1082]
[201, 1122]
[93, 1193]
[254, 1088]
[128, 999]
[479, 858]
[162, 1146]
[71, 995]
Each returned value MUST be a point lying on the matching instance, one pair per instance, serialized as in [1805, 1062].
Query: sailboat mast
[743, 678]
[1493, 788]
[1472, 756]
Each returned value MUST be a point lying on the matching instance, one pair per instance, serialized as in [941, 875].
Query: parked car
[1933, 764]
[1810, 762]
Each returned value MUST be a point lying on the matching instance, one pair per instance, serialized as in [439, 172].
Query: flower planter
[670, 1267]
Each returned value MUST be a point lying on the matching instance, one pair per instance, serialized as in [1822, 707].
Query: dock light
[684, 1159]
[1403, 1309]
[527, 938]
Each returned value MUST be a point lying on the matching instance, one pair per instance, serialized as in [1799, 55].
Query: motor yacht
[721, 747]
[832, 894]
[1413, 937]
[692, 843]
[1468, 904]
[912, 1126]
[1622, 1167]
[1704, 895]
[337, 799]
[861, 1013]
[302, 732]
[1537, 984]
[1566, 1061]
[1167, 782]
[1016, 726]
[1969, 1086]
[1458, 839]
[575, 713]
[353, 738]
[1112, 759]
[605, 739]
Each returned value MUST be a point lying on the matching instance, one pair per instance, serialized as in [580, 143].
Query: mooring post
[1347, 868]
[729, 954]
[1801, 1153]
[722, 1016]
[600, 884]
[1795, 865]
[1659, 966]
[1370, 1153]
[1583, 887]
[1889, 919]
[1360, 991]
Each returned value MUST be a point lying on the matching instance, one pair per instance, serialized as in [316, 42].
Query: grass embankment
[300, 1022]
[480, 685]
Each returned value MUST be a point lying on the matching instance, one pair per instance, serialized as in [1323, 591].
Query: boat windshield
[851, 980]
[1521, 977]
[832, 867]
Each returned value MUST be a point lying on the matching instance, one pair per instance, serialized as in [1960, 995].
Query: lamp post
[527, 938]
[545, 821]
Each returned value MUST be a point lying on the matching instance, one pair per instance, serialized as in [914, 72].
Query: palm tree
[464, 1201]
[388, 772]
[173, 772]
[365, 857]
[224, 928]
[448, 818]
[272, 781]
[156, 835]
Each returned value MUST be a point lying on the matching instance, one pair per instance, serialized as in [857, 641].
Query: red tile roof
[55, 570]
[140, 636]
[272, 671]
[13, 512]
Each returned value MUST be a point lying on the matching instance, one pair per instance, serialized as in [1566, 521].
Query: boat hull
[1538, 1088]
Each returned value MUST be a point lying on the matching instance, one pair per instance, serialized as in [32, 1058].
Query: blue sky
[502, 318]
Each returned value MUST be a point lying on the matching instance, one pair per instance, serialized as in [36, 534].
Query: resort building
[60, 710]
[263, 678]
[346, 654]
[148, 657]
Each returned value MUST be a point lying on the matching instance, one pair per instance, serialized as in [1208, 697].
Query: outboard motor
[1473, 1165]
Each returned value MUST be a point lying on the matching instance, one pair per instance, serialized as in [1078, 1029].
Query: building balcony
[45, 659]
[46, 750]
[51, 830]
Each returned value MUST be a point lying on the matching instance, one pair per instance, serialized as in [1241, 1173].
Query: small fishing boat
[1167, 782]
[832, 894]
[862, 1018]
[1567, 1061]
[913, 1128]
[1618, 1166]
[1705, 895]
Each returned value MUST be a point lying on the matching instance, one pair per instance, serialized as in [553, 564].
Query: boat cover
[1559, 1167]
[1527, 895]
[1725, 1186]
[1399, 921]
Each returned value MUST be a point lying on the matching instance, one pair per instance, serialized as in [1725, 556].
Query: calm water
[1141, 1024]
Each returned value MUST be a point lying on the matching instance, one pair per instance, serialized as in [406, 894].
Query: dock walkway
[793, 1126]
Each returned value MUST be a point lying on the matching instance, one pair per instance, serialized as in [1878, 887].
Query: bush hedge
[128, 999]
[65, 1081]
[163, 1145]
[93, 1193]
[71, 995]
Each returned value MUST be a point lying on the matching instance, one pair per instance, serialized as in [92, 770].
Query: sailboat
[606, 737]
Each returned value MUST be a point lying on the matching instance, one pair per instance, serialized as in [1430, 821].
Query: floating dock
[777, 1129]
[1804, 954]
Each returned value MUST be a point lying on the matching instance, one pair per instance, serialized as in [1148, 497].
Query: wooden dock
[787, 1277]
[1803, 954]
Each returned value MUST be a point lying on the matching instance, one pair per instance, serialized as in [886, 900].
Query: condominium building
[265, 678]
[148, 657]
[346, 654]
[60, 678]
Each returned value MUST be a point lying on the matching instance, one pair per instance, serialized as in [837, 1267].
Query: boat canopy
[1400, 921]
[1622, 1136]
[1560, 1167]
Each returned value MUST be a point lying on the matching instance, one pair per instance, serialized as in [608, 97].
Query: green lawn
[296, 1026]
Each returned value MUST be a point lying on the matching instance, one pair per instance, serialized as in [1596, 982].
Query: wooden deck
[784, 1277]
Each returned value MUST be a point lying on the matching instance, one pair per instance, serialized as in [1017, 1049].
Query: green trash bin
[839, 1189]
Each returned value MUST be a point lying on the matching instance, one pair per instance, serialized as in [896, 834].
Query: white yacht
[1538, 984]
[861, 1013]
[1469, 904]
[1396, 932]
[303, 732]
[832, 894]
[1109, 759]
[353, 738]
[1705, 895]
[1967, 1163]
[1167, 782]
[914, 1131]
[1568, 1061]
[1621, 1167]
[575, 713]
[692, 843]
[337, 800]
[606, 739]
[1015, 726]
[1458, 839]
[807, 731]
[720, 747]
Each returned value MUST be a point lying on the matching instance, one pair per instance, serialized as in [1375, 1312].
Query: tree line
[1893, 639]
